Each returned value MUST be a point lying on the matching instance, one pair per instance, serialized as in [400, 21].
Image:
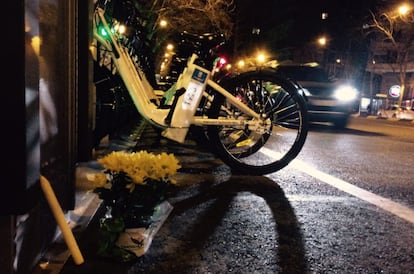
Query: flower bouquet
[134, 188]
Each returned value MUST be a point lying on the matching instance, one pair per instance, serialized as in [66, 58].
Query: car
[397, 112]
[329, 101]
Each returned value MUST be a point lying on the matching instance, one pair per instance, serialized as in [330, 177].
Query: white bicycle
[256, 122]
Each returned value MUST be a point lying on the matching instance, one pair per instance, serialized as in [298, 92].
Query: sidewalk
[83, 219]
[220, 222]
[380, 118]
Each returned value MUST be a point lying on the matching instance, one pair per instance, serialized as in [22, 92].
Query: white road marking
[319, 198]
[386, 204]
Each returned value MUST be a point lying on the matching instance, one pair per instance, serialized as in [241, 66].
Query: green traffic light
[103, 32]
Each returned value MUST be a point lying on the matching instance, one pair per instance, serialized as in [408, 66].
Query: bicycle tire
[271, 147]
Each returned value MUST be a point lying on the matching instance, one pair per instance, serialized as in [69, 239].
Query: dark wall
[41, 120]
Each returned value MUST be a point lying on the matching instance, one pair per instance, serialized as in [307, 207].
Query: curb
[381, 118]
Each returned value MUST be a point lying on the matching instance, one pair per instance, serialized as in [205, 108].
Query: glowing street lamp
[261, 58]
[163, 23]
[322, 41]
[405, 13]
[170, 47]
[241, 64]
[403, 10]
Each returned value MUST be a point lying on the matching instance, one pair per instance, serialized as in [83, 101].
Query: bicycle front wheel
[271, 143]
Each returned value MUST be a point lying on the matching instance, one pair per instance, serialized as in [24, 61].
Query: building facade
[383, 69]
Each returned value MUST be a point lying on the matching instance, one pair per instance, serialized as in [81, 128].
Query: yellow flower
[163, 166]
[138, 176]
[141, 165]
[115, 161]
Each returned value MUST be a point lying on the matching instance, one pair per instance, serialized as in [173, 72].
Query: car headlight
[346, 93]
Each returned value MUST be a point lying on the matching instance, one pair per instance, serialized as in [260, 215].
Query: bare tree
[199, 16]
[194, 16]
[396, 28]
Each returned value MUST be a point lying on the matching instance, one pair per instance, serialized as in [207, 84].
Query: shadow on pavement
[220, 222]
[243, 225]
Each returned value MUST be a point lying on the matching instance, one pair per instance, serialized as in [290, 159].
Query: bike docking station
[187, 92]
[194, 78]
[256, 121]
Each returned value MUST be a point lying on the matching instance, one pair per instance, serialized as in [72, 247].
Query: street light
[403, 9]
[261, 58]
[163, 23]
[241, 64]
[170, 47]
[405, 12]
[322, 45]
[322, 41]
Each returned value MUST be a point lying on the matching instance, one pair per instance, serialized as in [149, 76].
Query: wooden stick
[61, 220]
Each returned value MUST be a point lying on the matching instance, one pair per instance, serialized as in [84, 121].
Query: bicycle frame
[194, 79]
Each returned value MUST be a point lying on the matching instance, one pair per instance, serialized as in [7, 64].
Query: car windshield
[303, 73]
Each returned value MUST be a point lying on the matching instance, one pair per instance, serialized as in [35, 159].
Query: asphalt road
[345, 205]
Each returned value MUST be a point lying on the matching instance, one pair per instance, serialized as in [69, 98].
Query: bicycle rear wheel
[275, 141]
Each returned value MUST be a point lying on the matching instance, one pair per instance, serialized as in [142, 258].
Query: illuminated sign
[394, 91]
